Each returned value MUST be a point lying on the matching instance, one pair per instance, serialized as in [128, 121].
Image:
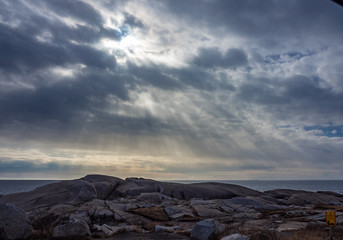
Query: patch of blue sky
[282, 57]
[329, 131]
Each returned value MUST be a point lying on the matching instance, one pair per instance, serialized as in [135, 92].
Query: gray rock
[116, 205]
[310, 198]
[104, 185]
[107, 230]
[251, 202]
[205, 190]
[159, 228]
[136, 186]
[13, 223]
[64, 192]
[339, 219]
[207, 229]
[208, 211]
[81, 215]
[73, 192]
[100, 212]
[246, 216]
[283, 193]
[235, 236]
[77, 229]
[179, 212]
[292, 226]
[242, 201]
[150, 197]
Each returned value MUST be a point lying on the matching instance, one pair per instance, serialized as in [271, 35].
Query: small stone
[291, 226]
[159, 228]
[235, 236]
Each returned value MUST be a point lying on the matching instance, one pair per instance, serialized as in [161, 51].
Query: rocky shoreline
[105, 207]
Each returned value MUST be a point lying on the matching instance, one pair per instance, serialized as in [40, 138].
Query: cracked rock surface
[100, 207]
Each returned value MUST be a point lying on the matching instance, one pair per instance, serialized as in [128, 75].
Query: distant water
[13, 186]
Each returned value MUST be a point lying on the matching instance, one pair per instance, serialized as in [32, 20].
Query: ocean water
[13, 186]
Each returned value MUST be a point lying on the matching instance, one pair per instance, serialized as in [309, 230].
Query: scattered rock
[13, 223]
[159, 228]
[235, 236]
[291, 226]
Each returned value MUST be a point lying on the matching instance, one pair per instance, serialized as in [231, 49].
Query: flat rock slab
[179, 212]
[154, 213]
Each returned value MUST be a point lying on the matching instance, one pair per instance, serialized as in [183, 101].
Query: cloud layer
[173, 89]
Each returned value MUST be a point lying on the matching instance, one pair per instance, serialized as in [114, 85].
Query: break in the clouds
[179, 89]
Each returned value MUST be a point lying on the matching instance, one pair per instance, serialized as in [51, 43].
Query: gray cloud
[76, 9]
[213, 58]
[72, 72]
[268, 22]
[20, 166]
[296, 96]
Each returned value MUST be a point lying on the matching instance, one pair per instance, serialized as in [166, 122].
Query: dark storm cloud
[296, 96]
[213, 58]
[178, 79]
[63, 80]
[22, 166]
[65, 102]
[20, 51]
[267, 22]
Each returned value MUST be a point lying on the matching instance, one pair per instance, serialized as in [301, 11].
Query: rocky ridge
[98, 206]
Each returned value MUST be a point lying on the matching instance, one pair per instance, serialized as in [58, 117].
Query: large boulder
[13, 223]
[137, 186]
[207, 229]
[76, 229]
[205, 190]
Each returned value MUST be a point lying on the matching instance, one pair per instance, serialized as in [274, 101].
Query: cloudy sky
[172, 89]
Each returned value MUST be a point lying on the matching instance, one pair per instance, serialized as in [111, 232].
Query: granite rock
[76, 229]
[13, 223]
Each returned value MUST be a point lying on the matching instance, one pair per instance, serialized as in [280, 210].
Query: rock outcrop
[13, 223]
[99, 206]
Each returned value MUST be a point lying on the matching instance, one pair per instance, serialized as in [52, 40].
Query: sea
[14, 186]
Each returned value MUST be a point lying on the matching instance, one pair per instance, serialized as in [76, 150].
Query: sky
[171, 89]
